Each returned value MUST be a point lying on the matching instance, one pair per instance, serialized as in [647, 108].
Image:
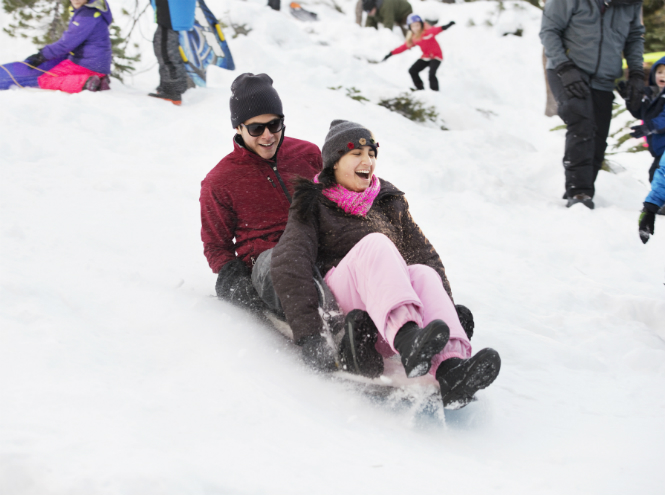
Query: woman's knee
[376, 244]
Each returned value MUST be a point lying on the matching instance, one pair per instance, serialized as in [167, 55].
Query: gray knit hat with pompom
[344, 136]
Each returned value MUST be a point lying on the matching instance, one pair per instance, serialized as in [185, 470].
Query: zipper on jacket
[271, 181]
[281, 182]
[600, 45]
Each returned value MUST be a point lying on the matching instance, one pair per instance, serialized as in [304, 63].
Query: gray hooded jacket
[577, 31]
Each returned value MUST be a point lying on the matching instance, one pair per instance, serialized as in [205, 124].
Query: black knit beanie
[344, 136]
[253, 95]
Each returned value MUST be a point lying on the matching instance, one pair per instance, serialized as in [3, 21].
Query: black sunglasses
[256, 130]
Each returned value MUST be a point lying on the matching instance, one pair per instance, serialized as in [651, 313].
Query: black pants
[332, 316]
[654, 166]
[588, 124]
[172, 73]
[262, 282]
[421, 65]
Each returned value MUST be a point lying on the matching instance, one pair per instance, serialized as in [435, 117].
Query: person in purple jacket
[85, 49]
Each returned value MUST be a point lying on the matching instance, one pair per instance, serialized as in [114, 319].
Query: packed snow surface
[121, 373]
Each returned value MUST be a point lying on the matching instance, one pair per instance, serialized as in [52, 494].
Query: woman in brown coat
[357, 230]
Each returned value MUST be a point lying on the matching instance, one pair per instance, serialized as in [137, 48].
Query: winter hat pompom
[253, 95]
[344, 136]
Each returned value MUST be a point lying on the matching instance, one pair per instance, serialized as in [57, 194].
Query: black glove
[448, 25]
[622, 89]
[466, 319]
[318, 354]
[572, 81]
[234, 284]
[387, 57]
[640, 131]
[635, 85]
[647, 221]
[35, 60]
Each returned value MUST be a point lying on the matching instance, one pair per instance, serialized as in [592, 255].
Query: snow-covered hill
[121, 373]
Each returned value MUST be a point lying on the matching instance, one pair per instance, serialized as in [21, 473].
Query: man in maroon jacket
[245, 199]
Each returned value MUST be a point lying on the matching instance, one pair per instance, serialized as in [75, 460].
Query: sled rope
[40, 70]
[11, 75]
[32, 67]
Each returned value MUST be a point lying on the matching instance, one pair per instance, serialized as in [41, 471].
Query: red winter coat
[427, 43]
[242, 198]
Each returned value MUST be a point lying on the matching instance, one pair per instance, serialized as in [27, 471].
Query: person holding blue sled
[171, 16]
[80, 59]
[432, 56]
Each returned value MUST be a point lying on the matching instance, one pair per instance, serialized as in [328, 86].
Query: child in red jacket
[422, 35]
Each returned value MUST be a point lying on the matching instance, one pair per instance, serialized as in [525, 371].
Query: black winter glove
[466, 319]
[635, 85]
[640, 131]
[317, 353]
[647, 221]
[572, 81]
[387, 57]
[35, 60]
[234, 284]
[447, 26]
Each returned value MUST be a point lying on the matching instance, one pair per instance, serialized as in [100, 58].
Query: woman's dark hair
[327, 177]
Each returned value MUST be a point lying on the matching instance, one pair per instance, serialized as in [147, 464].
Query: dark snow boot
[417, 346]
[585, 199]
[460, 379]
[174, 98]
[105, 84]
[357, 351]
[93, 83]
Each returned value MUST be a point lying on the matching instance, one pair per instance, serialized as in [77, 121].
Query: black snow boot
[357, 351]
[417, 346]
[460, 379]
[585, 199]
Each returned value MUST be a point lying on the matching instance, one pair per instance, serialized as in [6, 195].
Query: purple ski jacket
[87, 40]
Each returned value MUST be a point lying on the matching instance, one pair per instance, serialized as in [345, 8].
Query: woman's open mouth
[363, 174]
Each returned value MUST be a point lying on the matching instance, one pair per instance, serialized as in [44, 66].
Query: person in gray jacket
[584, 41]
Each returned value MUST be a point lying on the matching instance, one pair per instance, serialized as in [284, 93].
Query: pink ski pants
[374, 277]
[66, 76]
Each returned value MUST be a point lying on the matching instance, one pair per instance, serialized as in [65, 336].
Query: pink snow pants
[66, 76]
[374, 277]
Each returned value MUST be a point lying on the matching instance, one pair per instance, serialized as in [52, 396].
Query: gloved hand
[466, 319]
[640, 131]
[448, 25]
[572, 81]
[622, 89]
[647, 221]
[317, 353]
[635, 85]
[35, 60]
[387, 57]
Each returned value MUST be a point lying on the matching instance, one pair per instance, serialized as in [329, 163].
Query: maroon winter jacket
[243, 198]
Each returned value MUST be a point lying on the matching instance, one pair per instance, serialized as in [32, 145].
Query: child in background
[87, 46]
[653, 202]
[422, 35]
[652, 111]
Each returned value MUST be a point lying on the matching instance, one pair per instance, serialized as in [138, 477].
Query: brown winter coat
[319, 233]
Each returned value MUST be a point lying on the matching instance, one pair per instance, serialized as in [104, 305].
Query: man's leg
[578, 114]
[262, 282]
[415, 70]
[172, 73]
[602, 112]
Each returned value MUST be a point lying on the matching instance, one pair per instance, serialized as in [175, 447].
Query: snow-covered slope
[121, 373]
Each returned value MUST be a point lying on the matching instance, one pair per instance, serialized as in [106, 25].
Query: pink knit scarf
[355, 203]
